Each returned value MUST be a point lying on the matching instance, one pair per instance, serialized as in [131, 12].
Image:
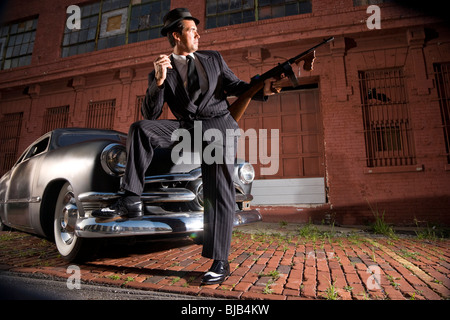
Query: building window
[16, 43]
[55, 118]
[357, 3]
[111, 23]
[100, 114]
[11, 125]
[146, 19]
[442, 76]
[221, 13]
[385, 112]
[113, 29]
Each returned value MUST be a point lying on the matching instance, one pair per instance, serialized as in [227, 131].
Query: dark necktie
[193, 84]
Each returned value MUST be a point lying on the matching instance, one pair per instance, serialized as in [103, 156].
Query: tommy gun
[284, 75]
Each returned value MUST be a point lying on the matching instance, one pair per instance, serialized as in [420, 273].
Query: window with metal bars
[387, 129]
[11, 125]
[100, 114]
[442, 76]
[55, 118]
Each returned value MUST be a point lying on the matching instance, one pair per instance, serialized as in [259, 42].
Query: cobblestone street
[264, 265]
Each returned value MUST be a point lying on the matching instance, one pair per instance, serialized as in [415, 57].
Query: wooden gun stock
[238, 107]
[284, 75]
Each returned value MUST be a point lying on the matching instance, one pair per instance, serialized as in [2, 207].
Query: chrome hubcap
[68, 218]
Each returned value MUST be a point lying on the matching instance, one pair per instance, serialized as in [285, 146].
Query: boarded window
[100, 114]
[113, 23]
[55, 118]
[11, 125]
[387, 128]
[442, 74]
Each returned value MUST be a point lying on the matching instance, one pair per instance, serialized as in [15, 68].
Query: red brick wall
[403, 196]
[121, 73]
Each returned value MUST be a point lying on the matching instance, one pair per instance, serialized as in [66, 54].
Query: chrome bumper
[153, 224]
[156, 196]
[157, 220]
[160, 195]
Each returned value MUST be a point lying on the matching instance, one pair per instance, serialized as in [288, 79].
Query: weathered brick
[397, 282]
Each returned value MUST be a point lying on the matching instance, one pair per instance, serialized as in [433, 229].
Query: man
[195, 85]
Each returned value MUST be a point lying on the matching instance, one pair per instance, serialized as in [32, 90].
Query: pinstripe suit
[145, 135]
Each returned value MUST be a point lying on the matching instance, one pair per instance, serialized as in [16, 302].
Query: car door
[22, 181]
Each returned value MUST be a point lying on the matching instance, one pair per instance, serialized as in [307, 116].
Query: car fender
[80, 165]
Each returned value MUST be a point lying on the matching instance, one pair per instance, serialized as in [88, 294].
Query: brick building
[367, 130]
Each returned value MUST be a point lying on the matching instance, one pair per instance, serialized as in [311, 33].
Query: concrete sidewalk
[269, 261]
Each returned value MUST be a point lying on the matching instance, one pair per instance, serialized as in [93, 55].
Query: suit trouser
[218, 187]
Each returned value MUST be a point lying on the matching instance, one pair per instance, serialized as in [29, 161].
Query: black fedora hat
[174, 16]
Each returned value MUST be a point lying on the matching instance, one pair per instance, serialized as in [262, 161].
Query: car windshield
[67, 139]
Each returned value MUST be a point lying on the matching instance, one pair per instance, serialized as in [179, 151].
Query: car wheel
[66, 214]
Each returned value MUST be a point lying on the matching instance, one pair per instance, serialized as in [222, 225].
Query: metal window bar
[442, 76]
[11, 125]
[387, 130]
[100, 114]
[55, 118]
[138, 107]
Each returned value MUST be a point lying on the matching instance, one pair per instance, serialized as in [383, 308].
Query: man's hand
[161, 64]
[269, 88]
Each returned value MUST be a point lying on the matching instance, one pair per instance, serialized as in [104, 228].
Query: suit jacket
[218, 191]
[222, 82]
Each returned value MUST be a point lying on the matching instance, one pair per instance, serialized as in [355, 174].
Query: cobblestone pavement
[269, 262]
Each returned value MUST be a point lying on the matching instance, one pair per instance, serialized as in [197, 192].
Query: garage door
[300, 175]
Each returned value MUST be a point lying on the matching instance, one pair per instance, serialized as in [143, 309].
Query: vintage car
[67, 173]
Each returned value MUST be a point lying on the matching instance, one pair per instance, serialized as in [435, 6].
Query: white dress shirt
[182, 67]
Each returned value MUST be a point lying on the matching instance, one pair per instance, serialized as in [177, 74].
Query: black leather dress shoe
[219, 270]
[130, 207]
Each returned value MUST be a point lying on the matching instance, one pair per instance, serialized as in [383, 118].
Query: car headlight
[246, 173]
[114, 159]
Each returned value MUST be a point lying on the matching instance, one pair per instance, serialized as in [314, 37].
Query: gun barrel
[281, 67]
[238, 107]
[301, 55]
